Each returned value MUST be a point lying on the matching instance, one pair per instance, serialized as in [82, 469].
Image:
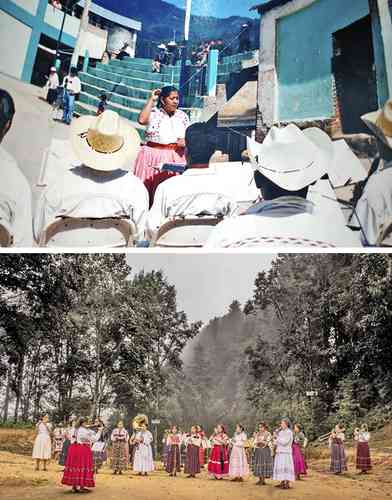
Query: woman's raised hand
[155, 95]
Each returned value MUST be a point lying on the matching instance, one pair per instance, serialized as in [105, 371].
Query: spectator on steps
[15, 191]
[102, 104]
[156, 65]
[165, 136]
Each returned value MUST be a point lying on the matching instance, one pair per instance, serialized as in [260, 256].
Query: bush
[8, 424]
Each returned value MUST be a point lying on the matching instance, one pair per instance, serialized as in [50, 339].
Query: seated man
[200, 190]
[374, 207]
[15, 191]
[287, 164]
[100, 187]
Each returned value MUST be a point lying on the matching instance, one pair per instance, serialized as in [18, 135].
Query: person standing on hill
[362, 437]
[245, 38]
[42, 450]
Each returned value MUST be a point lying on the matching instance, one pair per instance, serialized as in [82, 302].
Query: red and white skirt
[79, 467]
[218, 465]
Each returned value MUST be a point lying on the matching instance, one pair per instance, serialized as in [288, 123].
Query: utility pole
[184, 53]
[82, 29]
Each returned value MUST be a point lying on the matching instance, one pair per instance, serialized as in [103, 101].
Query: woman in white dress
[42, 450]
[143, 462]
[284, 464]
[238, 465]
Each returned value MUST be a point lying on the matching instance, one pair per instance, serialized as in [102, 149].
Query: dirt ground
[18, 481]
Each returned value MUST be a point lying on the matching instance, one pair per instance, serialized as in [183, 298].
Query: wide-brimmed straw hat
[162, 46]
[290, 158]
[380, 122]
[105, 142]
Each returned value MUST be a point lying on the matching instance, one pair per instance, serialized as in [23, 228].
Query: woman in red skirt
[165, 136]
[202, 451]
[218, 464]
[362, 436]
[299, 444]
[79, 466]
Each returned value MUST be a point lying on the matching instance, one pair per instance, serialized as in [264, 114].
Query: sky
[220, 8]
[206, 283]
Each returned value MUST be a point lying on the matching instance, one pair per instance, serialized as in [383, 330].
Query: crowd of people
[84, 446]
[270, 200]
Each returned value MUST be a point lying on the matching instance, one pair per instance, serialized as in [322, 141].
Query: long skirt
[338, 458]
[192, 462]
[299, 460]
[149, 158]
[364, 462]
[79, 468]
[143, 461]
[64, 452]
[238, 466]
[120, 456]
[263, 463]
[99, 457]
[202, 456]
[173, 459]
[218, 465]
[58, 444]
[283, 467]
[42, 447]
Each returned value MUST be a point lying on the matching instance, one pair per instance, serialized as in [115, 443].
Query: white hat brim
[292, 165]
[124, 158]
[371, 119]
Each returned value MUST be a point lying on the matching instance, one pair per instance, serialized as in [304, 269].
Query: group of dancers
[279, 455]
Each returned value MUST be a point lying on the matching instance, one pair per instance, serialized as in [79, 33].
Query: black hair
[241, 427]
[165, 92]
[199, 143]
[103, 97]
[7, 111]
[73, 71]
[271, 191]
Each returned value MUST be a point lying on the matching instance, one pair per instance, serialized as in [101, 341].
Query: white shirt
[165, 129]
[53, 81]
[145, 438]
[43, 428]
[287, 221]
[375, 205]
[239, 440]
[81, 193]
[362, 437]
[15, 201]
[86, 436]
[284, 441]
[73, 84]
[196, 191]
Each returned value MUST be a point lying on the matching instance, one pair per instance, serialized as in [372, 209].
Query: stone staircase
[129, 83]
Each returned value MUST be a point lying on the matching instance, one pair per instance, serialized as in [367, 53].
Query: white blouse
[85, 436]
[239, 439]
[362, 437]
[165, 129]
[43, 428]
[284, 441]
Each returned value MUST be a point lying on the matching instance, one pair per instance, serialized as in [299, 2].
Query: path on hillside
[19, 481]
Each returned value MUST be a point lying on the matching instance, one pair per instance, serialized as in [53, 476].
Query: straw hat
[380, 122]
[105, 142]
[162, 46]
[291, 158]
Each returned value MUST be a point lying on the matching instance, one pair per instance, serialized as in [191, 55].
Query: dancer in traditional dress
[263, 462]
[299, 444]
[58, 440]
[173, 442]
[120, 450]
[284, 465]
[238, 465]
[218, 464]
[42, 450]
[338, 454]
[192, 462]
[79, 467]
[68, 440]
[165, 447]
[143, 461]
[203, 446]
[99, 448]
[362, 437]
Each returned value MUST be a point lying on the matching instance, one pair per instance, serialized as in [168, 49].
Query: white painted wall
[14, 40]
[386, 32]
[54, 17]
[29, 5]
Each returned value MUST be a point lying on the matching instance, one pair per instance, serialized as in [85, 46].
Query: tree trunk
[19, 389]
[7, 395]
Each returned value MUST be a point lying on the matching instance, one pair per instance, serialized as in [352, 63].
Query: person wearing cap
[101, 186]
[373, 211]
[15, 191]
[72, 87]
[52, 85]
[199, 190]
[286, 165]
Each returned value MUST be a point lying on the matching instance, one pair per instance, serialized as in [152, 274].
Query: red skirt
[363, 457]
[218, 465]
[79, 467]
[299, 460]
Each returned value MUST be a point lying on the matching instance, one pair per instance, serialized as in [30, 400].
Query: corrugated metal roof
[267, 6]
[115, 11]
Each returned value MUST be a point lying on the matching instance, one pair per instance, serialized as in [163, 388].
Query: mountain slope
[160, 19]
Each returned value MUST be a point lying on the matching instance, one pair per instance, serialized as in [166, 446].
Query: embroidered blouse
[220, 439]
[119, 435]
[263, 439]
[165, 129]
[174, 439]
[239, 440]
[362, 437]
[299, 438]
